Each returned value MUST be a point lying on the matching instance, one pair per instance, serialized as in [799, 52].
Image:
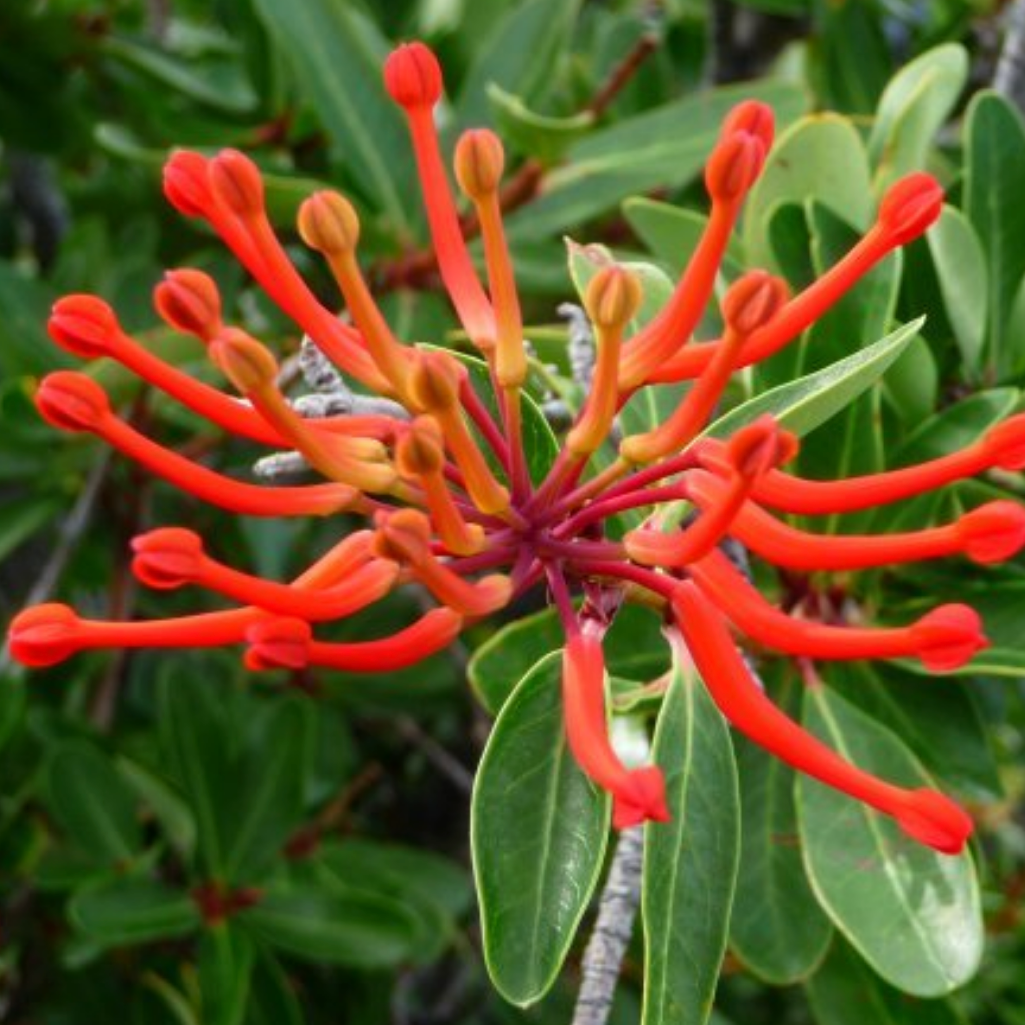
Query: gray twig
[610, 937]
[1009, 79]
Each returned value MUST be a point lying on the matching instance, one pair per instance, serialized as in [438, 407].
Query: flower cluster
[444, 480]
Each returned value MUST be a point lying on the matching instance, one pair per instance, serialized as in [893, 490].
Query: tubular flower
[454, 503]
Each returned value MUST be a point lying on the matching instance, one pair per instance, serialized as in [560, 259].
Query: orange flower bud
[420, 450]
[189, 301]
[752, 301]
[910, 207]
[479, 161]
[84, 325]
[759, 447]
[734, 165]
[434, 381]
[186, 183]
[72, 401]
[278, 643]
[993, 532]
[328, 223]
[44, 635]
[754, 118]
[167, 558]
[236, 182]
[245, 362]
[613, 297]
[1004, 444]
[412, 76]
[402, 536]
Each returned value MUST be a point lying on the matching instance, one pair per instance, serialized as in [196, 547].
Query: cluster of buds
[446, 487]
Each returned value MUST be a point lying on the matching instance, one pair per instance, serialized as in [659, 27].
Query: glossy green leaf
[354, 929]
[539, 829]
[912, 913]
[538, 136]
[844, 991]
[777, 929]
[519, 55]
[994, 171]
[336, 55]
[821, 158]
[690, 863]
[801, 405]
[226, 960]
[962, 274]
[271, 775]
[93, 803]
[634, 649]
[662, 148]
[914, 106]
[130, 911]
[166, 806]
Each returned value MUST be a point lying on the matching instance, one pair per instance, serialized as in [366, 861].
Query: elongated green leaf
[690, 863]
[913, 107]
[845, 992]
[272, 777]
[539, 829]
[665, 147]
[802, 405]
[634, 649]
[535, 135]
[911, 913]
[961, 270]
[994, 171]
[131, 911]
[336, 55]
[226, 959]
[273, 1000]
[355, 929]
[91, 800]
[519, 55]
[820, 158]
[777, 929]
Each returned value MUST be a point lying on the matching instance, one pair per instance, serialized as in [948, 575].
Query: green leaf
[272, 778]
[93, 803]
[777, 930]
[662, 148]
[994, 171]
[12, 706]
[20, 520]
[169, 810]
[914, 106]
[354, 929]
[535, 135]
[539, 829]
[519, 55]
[273, 1000]
[226, 959]
[845, 992]
[912, 913]
[961, 271]
[634, 649]
[690, 863]
[336, 55]
[132, 911]
[801, 405]
[820, 158]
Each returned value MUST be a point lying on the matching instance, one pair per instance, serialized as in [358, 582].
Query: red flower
[476, 537]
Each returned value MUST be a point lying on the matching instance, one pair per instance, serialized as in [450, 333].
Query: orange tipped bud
[189, 301]
[84, 325]
[948, 636]
[993, 532]
[613, 297]
[44, 635]
[734, 166]
[167, 558]
[328, 223]
[934, 820]
[236, 182]
[412, 76]
[479, 162]
[759, 447]
[402, 536]
[187, 184]
[278, 643]
[420, 450]
[910, 207]
[434, 381]
[752, 301]
[754, 118]
[1005, 443]
[249, 365]
[71, 401]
